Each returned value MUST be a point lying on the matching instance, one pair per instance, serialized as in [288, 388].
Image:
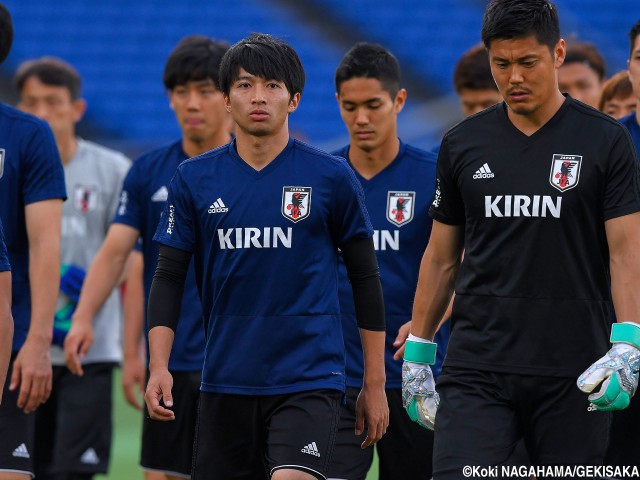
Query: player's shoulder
[474, 122]
[428, 158]
[204, 160]
[320, 158]
[101, 153]
[18, 119]
[590, 114]
[155, 158]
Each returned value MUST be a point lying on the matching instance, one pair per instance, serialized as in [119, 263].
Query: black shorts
[624, 443]
[405, 451]
[74, 427]
[483, 415]
[249, 437]
[16, 431]
[167, 447]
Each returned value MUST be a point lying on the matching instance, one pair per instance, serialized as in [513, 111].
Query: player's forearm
[44, 279]
[160, 343]
[433, 294]
[103, 276]
[373, 344]
[133, 306]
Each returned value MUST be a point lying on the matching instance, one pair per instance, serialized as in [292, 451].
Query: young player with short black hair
[6, 320]
[75, 443]
[632, 121]
[473, 82]
[582, 73]
[544, 238]
[398, 182]
[31, 194]
[191, 80]
[264, 217]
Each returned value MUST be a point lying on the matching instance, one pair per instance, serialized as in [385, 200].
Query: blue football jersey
[30, 172]
[142, 201]
[4, 258]
[398, 200]
[631, 122]
[266, 253]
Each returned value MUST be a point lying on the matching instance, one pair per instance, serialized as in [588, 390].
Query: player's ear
[227, 102]
[293, 103]
[400, 100]
[79, 107]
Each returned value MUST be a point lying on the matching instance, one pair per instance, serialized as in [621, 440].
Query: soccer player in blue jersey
[541, 193]
[632, 121]
[398, 182]
[191, 80]
[31, 194]
[264, 217]
[6, 320]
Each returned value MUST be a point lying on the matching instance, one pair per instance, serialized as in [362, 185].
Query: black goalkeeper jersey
[532, 293]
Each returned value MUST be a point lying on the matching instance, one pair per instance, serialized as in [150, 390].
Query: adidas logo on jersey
[483, 172]
[218, 207]
[21, 451]
[311, 449]
[161, 195]
[90, 457]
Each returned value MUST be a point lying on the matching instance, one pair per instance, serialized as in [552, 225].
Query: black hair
[587, 54]
[509, 19]
[633, 35]
[6, 33]
[473, 71]
[195, 58]
[264, 56]
[50, 71]
[370, 60]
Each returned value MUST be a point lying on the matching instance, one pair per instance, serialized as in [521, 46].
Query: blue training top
[398, 200]
[30, 172]
[266, 254]
[143, 198]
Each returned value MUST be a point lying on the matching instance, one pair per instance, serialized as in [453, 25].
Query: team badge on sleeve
[296, 203]
[1, 162]
[85, 198]
[400, 207]
[565, 171]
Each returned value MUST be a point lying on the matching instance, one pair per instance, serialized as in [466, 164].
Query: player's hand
[133, 378]
[32, 372]
[372, 409]
[159, 388]
[77, 344]
[616, 372]
[419, 396]
[403, 334]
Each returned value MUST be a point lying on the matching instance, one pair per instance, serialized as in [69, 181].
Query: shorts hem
[316, 473]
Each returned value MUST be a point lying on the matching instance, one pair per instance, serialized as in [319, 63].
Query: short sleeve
[622, 190]
[130, 204]
[44, 175]
[350, 218]
[121, 167]
[4, 258]
[176, 228]
[447, 206]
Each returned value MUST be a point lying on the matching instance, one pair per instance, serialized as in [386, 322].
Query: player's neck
[260, 151]
[369, 163]
[532, 122]
[194, 148]
[67, 148]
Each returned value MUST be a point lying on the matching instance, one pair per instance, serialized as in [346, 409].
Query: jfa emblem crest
[296, 203]
[1, 162]
[85, 198]
[565, 171]
[400, 207]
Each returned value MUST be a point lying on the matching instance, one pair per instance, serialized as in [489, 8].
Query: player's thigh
[167, 447]
[349, 461]
[564, 428]
[16, 435]
[406, 450]
[302, 430]
[476, 424]
[230, 438]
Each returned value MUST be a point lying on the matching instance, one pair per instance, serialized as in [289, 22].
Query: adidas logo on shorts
[483, 172]
[591, 408]
[311, 449]
[90, 457]
[21, 451]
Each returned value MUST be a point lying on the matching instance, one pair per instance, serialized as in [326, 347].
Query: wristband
[420, 352]
[626, 332]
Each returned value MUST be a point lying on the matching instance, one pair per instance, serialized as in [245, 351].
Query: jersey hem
[294, 388]
[513, 369]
